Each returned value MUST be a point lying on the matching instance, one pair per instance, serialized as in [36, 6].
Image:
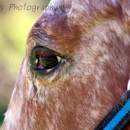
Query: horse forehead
[62, 15]
[64, 22]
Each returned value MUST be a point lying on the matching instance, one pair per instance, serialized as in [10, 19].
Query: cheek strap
[119, 116]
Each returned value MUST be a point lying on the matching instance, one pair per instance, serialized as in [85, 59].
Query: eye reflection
[47, 61]
[44, 59]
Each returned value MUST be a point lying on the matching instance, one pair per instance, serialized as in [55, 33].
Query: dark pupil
[48, 61]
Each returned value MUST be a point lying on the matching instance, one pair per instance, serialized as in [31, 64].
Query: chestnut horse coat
[76, 67]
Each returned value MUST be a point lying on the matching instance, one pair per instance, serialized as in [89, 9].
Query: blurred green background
[15, 23]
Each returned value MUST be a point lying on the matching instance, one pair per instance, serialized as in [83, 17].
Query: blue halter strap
[119, 116]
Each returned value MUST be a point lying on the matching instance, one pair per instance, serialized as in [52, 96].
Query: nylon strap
[119, 116]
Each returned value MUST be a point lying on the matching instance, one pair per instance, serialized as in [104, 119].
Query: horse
[76, 66]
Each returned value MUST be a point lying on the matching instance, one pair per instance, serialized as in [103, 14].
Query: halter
[119, 116]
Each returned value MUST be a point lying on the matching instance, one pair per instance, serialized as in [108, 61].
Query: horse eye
[44, 59]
